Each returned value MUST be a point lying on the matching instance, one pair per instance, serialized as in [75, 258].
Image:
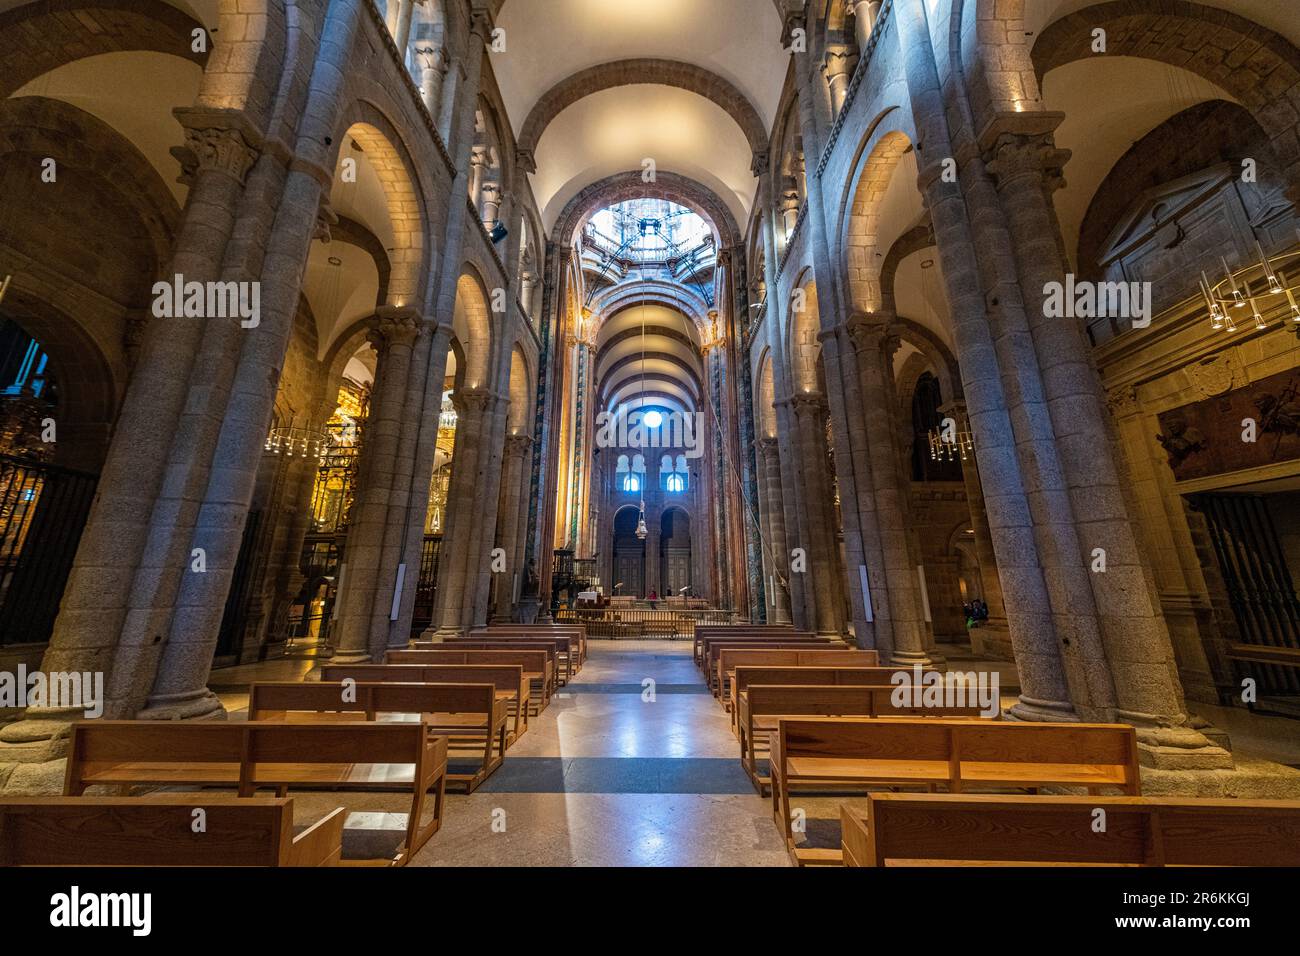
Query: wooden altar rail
[674, 623]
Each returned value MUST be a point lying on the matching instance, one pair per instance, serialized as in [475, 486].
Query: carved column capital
[393, 325]
[220, 140]
[471, 400]
[1017, 146]
[526, 160]
[807, 404]
[517, 445]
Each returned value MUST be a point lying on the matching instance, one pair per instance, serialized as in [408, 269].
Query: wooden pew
[713, 647]
[543, 630]
[556, 652]
[764, 705]
[939, 752]
[755, 636]
[729, 658]
[568, 647]
[158, 830]
[253, 755]
[824, 675]
[538, 666]
[469, 715]
[705, 631]
[898, 829]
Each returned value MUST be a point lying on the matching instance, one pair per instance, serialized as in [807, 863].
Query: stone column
[908, 630]
[654, 528]
[393, 335]
[789, 206]
[433, 68]
[810, 412]
[838, 68]
[996, 625]
[771, 464]
[478, 163]
[402, 33]
[1045, 692]
[492, 197]
[864, 13]
[1022, 157]
[517, 447]
[526, 284]
[464, 510]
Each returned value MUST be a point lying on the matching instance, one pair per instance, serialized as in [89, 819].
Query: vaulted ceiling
[724, 64]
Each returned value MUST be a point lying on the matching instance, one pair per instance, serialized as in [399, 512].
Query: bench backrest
[501, 676]
[105, 743]
[963, 742]
[267, 699]
[1159, 831]
[533, 660]
[729, 658]
[158, 830]
[712, 649]
[842, 701]
[551, 647]
[746, 674]
[563, 642]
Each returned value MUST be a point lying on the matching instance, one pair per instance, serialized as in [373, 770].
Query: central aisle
[617, 772]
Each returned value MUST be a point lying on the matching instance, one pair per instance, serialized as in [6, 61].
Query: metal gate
[43, 510]
[1261, 592]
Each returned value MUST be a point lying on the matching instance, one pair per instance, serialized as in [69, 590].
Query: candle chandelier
[1251, 291]
[952, 442]
[297, 441]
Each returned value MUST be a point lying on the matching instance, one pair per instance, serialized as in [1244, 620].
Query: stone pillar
[907, 624]
[433, 68]
[464, 510]
[492, 197]
[393, 335]
[838, 69]
[770, 461]
[654, 528]
[1022, 157]
[489, 484]
[996, 631]
[526, 285]
[789, 206]
[478, 163]
[517, 447]
[1045, 693]
[402, 32]
[864, 13]
[810, 413]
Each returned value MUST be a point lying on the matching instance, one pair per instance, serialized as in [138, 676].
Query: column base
[191, 705]
[528, 610]
[1248, 779]
[910, 659]
[1053, 711]
[350, 657]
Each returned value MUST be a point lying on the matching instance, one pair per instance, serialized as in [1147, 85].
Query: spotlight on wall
[499, 232]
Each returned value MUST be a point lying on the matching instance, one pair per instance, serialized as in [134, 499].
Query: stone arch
[805, 327]
[37, 38]
[387, 155]
[765, 396]
[647, 70]
[472, 323]
[673, 187]
[1254, 65]
[520, 390]
[862, 257]
[88, 389]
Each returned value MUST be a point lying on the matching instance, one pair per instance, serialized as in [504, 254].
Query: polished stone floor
[632, 764]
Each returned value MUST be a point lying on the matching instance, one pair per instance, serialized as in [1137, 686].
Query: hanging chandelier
[951, 446]
[641, 530]
[1253, 290]
[296, 441]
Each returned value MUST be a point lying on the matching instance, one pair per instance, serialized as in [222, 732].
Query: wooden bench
[729, 658]
[824, 675]
[704, 636]
[821, 753]
[538, 630]
[897, 829]
[714, 647]
[538, 667]
[556, 652]
[252, 755]
[568, 647]
[159, 831]
[470, 716]
[705, 631]
[764, 705]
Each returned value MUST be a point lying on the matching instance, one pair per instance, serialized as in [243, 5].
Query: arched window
[631, 482]
[676, 482]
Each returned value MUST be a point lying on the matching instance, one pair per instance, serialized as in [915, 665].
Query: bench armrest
[321, 844]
